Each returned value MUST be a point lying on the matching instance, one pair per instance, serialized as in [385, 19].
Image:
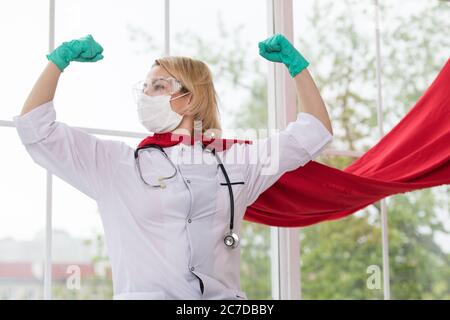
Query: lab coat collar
[169, 139]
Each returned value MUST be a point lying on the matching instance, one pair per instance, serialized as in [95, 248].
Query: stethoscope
[230, 239]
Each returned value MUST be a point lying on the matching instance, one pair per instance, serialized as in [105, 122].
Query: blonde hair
[196, 77]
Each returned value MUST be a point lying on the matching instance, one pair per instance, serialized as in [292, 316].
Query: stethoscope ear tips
[231, 240]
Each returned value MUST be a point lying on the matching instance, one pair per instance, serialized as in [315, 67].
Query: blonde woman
[172, 225]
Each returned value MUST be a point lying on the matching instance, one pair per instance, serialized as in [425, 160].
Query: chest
[184, 182]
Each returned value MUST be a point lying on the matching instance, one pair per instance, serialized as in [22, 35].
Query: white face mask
[156, 114]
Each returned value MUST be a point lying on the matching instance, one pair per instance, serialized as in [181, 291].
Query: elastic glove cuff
[62, 55]
[297, 66]
[60, 58]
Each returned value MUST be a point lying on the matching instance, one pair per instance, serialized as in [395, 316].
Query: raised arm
[278, 49]
[85, 49]
[44, 88]
[81, 159]
[310, 99]
[303, 139]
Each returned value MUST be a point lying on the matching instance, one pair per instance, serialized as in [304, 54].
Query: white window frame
[285, 242]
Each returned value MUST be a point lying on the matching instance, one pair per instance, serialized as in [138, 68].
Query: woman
[172, 222]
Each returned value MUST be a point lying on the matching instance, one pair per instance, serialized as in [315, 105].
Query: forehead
[158, 71]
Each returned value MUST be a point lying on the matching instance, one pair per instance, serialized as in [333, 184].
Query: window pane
[24, 34]
[420, 244]
[416, 46]
[22, 216]
[228, 43]
[342, 259]
[81, 269]
[339, 256]
[99, 94]
[78, 246]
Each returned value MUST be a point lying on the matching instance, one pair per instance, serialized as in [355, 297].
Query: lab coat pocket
[144, 295]
[236, 178]
[237, 181]
[238, 187]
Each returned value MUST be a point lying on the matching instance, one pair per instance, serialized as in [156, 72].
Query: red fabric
[415, 154]
[168, 139]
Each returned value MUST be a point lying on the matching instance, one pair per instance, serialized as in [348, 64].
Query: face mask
[155, 113]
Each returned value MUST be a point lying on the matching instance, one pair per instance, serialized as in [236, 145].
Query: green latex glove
[278, 49]
[85, 49]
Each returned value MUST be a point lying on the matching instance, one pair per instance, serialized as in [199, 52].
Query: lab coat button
[192, 268]
[189, 220]
[188, 181]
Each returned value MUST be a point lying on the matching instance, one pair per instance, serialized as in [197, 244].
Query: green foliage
[335, 257]
[255, 266]
[419, 267]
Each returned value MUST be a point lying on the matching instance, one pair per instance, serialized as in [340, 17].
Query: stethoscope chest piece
[231, 239]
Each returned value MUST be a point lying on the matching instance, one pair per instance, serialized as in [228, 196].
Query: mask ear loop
[187, 112]
[180, 96]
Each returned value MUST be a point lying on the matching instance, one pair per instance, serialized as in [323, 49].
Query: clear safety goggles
[160, 86]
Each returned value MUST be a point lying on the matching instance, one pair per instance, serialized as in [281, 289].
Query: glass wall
[132, 36]
[415, 47]
[22, 227]
[23, 62]
[22, 183]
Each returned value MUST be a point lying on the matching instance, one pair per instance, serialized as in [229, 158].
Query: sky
[99, 95]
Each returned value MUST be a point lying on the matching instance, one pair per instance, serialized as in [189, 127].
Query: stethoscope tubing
[235, 238]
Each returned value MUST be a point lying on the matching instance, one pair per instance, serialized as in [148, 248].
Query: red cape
[168, 139]
[415, 154]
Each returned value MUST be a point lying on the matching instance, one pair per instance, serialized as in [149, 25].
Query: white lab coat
[165, 243]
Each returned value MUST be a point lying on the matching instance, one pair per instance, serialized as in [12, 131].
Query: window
[419, 239]
[99, 95]
[22, 231]
[27, 52]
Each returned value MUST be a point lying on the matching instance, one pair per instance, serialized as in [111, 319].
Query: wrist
[59, 57]
[297, 65]
[53, 67]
